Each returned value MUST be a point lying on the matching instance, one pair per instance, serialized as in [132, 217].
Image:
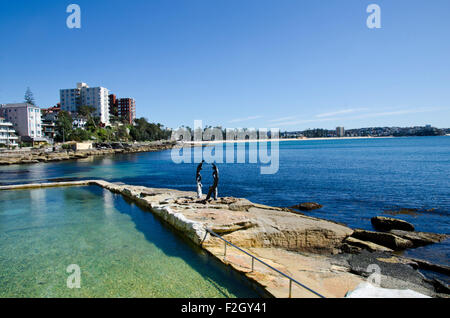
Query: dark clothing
[213, 189]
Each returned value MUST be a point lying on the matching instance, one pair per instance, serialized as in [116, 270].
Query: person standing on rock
[214, 189]
[199, 180]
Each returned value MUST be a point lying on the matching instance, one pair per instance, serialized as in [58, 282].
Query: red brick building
[122, 108]
[113, 107]
[127, 109]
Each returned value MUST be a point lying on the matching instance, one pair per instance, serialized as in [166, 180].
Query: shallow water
[354, 179]
[122, 251]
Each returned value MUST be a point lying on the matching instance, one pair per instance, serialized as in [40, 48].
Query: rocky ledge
[328, 257]
[100, 149]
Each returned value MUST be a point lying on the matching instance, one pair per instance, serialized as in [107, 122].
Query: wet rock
[307, 206]
[385, 239]
[386, 224]
[420, 238]
[406, 211]
[425, 265]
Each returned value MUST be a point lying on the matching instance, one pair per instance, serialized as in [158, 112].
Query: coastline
[31, 156]
[279, 140]
[311, 250]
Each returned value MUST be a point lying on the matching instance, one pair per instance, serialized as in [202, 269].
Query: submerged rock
[386, 224]
[307, 206]
[385, 239]
[406, 211]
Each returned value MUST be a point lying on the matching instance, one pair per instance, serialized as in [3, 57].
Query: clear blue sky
[290, 64]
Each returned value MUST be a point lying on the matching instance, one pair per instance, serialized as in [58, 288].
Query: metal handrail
[264, 263]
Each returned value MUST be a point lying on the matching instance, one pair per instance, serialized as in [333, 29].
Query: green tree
[145, 131]
[64, 126]
[86, 111]
[122, 133]
[29, 96]
[80, 135]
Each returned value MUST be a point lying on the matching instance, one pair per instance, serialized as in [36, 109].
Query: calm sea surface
[121, 250]
[354, 180]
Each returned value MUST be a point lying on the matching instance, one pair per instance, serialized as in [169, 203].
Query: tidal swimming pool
[121, 250]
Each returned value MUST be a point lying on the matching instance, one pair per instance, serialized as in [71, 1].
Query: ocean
[354, 180]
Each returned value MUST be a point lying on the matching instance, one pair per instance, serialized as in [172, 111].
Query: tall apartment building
[340, 131]
[7, 133]
[113, 106]
[97, 97]
[127, 109]
[122, 108]
[26, 119]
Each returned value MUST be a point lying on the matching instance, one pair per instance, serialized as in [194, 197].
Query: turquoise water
[121, 250]
[353, 179]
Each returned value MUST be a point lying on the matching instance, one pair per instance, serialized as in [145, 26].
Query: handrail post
[225, 252]
[290, 288]
[262, 262]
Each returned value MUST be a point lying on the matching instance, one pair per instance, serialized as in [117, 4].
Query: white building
[26, 119]
[97, 97]
[340, 131]
[7, 133]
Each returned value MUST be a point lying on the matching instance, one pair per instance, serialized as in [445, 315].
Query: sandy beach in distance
[277, 140]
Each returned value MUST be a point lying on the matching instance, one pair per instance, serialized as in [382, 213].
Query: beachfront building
[7, 133]
[97, 97]
[127, 109]
[113, 106]
[123, 109]
[340, 131]
[26, 120]
[49, 130]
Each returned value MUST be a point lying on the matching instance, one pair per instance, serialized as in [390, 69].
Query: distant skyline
[290, 64]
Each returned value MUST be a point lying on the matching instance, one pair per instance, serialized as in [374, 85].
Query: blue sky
[289, 64]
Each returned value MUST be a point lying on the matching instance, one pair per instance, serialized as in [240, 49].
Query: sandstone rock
[366, 245]
[232, 227]
[386, 224]
[385, 239]
[291, 231]
[350, 249]
[406, 211]
[80, 155]
[241, 205]
[307, 206]
[29, 161]
[422, 264]
[40, 158]
[420, 238]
